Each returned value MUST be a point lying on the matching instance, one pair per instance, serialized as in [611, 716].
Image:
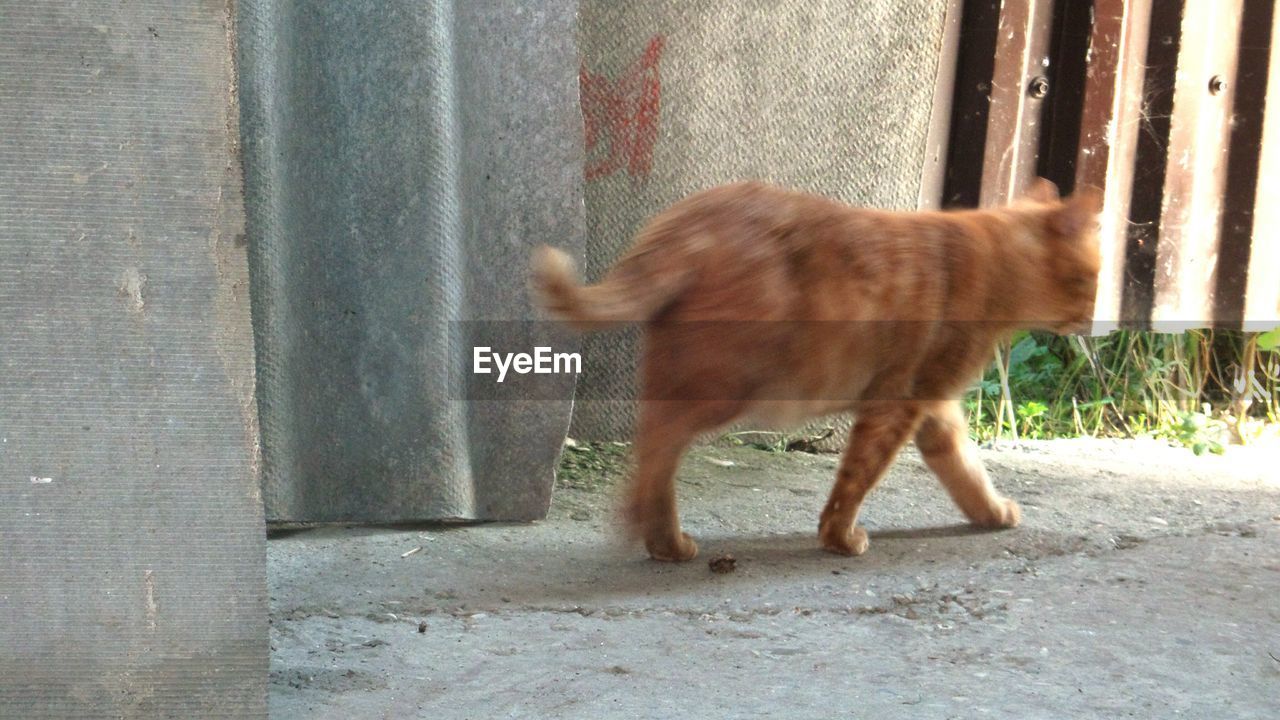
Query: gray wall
[132, 567]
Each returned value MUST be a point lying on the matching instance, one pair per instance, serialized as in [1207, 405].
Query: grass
[589, 466]
[1202, 388]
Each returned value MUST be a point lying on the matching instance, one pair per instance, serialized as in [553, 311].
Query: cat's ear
[1079, 212]
[1044, 191]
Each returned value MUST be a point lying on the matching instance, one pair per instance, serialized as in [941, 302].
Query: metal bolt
[1038, 88]
[1217, 84]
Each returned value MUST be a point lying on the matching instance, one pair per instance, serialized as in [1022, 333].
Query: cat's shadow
[622, 574]
[937, 531]
[607, 574]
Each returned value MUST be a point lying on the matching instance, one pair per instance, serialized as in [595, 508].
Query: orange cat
[775, 305]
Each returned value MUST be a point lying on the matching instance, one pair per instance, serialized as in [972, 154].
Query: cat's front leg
[944, 442]
[881, 429]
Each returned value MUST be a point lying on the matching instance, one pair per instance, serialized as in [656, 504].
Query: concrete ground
[1144, 582]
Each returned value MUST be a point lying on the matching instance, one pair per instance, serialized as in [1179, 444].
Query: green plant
[1032, 414]
[1269, 340]
[1131, 384]
[1193, 431]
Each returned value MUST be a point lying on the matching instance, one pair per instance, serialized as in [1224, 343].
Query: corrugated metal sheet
[1262, 290]
[1167, 105]
[401, 160]
[132, 566]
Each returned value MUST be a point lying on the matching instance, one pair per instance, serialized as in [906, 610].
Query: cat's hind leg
[943, 440]
[881, 429]
[665, 430]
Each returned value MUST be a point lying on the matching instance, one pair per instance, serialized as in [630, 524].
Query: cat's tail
[632, 292]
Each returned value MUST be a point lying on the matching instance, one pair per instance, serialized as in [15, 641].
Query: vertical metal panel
[1250, 76]
[402, 159]
[1187, 251]
[1149, 163]
[1262, 288]
[1063, 112]
[1017, 99]
[1109, 127]
[971, 102]
[934, 175]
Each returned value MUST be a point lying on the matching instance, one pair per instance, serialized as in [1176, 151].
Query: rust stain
[621, 117]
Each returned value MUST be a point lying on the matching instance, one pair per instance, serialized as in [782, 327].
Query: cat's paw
[1012, 514]
[844, 540]
[1007, 514]
[682, 549]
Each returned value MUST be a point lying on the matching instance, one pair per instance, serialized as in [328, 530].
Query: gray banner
[132, 568]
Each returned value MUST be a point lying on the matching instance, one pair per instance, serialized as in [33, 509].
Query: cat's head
[1067, 230]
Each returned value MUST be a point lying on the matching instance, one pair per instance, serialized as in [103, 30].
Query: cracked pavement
[1144, 581]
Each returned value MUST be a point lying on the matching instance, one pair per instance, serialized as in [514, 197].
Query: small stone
[722, 564]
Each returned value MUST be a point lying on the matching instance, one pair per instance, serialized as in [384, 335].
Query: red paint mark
[621, 116]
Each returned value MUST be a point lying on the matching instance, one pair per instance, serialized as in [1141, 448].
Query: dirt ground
[1143, 582]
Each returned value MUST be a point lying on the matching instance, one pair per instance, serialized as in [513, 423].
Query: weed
[1193, 388]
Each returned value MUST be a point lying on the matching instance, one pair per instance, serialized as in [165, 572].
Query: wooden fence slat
[1109, 135]
[1187, 249]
